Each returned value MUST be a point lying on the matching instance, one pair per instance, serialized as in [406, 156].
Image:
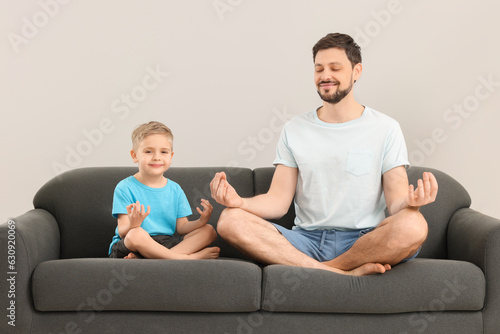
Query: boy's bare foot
[130, 256]
[206, 253]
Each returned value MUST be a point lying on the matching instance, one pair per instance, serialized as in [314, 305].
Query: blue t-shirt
[167, 204]
[340, 168]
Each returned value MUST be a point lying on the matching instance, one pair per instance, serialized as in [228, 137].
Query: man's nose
[326, 75]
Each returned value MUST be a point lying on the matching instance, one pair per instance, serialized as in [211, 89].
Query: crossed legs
[396, 238]
[192, 247]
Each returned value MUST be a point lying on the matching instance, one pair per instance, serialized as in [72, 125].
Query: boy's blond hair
[151, 128]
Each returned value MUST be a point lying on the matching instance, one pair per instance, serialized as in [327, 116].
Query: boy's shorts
[119, 250]
[324, 245]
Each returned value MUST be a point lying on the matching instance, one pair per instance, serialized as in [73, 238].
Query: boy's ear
[133, 155]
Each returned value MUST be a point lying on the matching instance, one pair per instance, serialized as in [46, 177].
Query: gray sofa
[63, 282]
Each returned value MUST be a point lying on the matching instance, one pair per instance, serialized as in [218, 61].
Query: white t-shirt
[340, 168]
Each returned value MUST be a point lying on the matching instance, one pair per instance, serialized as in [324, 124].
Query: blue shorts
[324, 245]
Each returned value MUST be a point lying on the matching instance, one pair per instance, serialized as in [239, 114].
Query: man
[344, 163]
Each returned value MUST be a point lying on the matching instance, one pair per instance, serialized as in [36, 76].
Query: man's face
[334, 75]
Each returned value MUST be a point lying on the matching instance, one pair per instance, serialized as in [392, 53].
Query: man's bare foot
[130, 256]
[363, 270]
[206, 253]
[369, 269]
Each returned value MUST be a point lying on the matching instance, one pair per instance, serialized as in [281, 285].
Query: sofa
[58, 278]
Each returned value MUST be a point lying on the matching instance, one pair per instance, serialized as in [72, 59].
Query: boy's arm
[134, 218]
[184, 226]
[273, 204]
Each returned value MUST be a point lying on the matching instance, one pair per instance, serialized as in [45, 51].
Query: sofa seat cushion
[147, 285]
[416, 286]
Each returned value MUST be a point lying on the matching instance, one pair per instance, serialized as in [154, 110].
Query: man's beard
[337, 96]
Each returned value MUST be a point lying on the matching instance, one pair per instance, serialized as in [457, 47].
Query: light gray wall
[78, 76]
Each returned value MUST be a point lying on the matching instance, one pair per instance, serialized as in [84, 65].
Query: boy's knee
[135, 237]
[210, 232]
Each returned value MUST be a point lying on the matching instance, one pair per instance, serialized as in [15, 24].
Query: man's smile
[328, 84]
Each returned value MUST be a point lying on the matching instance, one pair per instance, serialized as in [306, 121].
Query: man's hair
[151, 128]
[341, 41]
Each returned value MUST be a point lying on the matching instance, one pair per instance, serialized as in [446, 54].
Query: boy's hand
[224, 193]
[207, 212]
[137, 214]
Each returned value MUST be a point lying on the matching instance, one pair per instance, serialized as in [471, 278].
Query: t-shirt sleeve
[396, 153]
[183, 207]
[284, 155]
[121, 199]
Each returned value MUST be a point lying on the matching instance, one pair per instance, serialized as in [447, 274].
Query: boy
[149, 233]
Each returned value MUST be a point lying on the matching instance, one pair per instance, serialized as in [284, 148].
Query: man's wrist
[244, 204]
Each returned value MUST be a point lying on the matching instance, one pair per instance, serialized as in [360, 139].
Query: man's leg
[397, 237]
[261, 241]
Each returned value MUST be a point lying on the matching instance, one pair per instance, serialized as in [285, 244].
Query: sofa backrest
[451, 197]
[81, 202]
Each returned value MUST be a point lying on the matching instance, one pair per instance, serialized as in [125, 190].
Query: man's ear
[133, 155]
[358, 68]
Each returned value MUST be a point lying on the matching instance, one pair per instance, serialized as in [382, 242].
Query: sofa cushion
[147, 285]
[416, 286]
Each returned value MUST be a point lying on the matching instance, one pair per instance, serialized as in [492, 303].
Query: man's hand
[425, 193]
[224, 193]
[207, 211]
[136, 214]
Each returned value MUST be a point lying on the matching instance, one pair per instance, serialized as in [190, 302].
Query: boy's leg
[197, 240]
[138, 240]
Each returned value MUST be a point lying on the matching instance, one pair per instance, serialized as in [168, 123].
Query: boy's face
[334, 75]
[153, 155]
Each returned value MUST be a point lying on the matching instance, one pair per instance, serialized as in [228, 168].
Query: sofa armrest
[25, 242]
[475, 237]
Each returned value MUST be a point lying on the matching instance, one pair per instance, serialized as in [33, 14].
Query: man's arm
[399, 195]
[272, 205]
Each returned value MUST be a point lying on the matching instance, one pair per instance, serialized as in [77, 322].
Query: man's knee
[228, 220]
[410, 229]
